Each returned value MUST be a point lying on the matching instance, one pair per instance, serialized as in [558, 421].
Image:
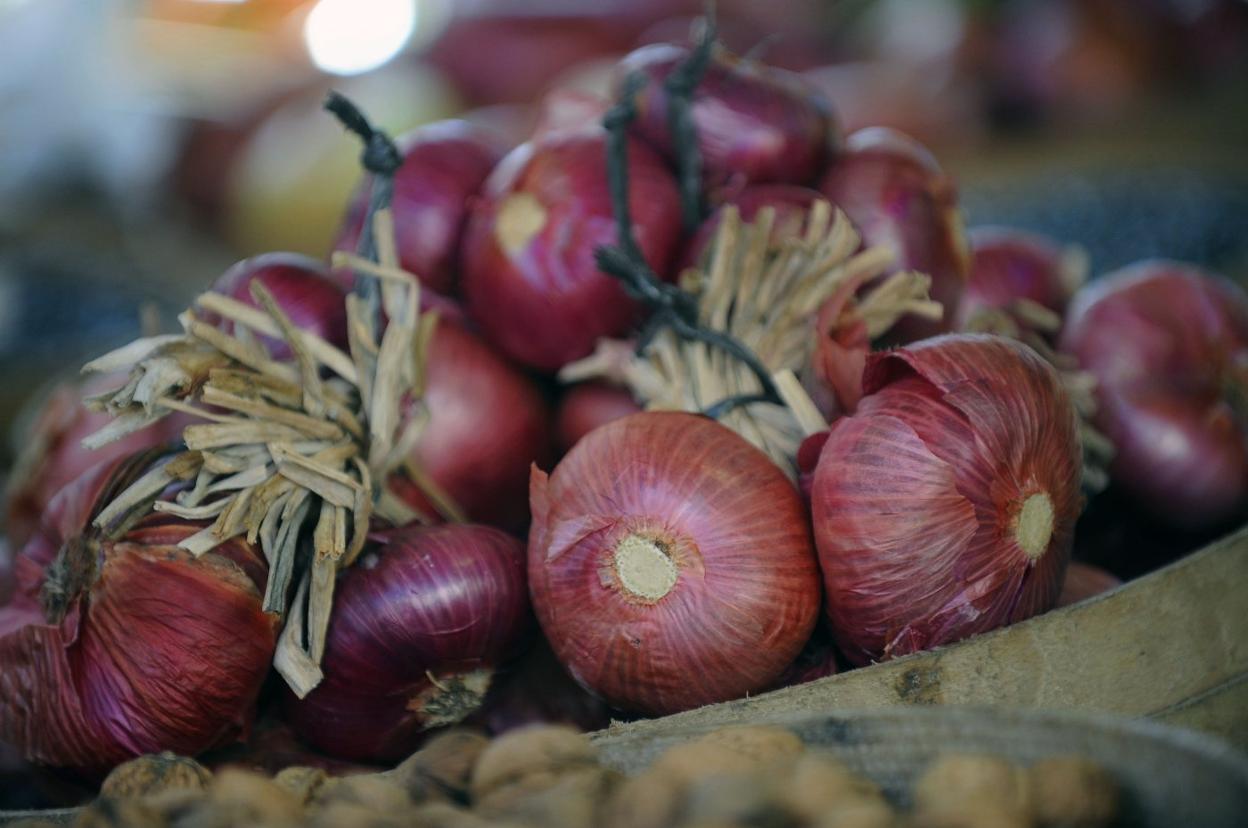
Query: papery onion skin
[731, 601]
[790, 202]
[530, 278]
[1083, 581]
[1008, 264]
[57, 456]
[301, 286]
[1168, 345]
[445, 601]
[164, 651]
[755, 124]
[945, 506]
[444, 165]
[588, 405]
[894, 191]
[487, 423]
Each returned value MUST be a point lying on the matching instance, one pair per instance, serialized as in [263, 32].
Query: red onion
[139, 647]
[301, 286]
[530, 278]
[670, 563]
[536, 689]
[1084, 581]
[418, 625]
[755, 123]
[945, 506]
[1010, 265]
[588, 405]
[487, 423]
[1168, 345]
[52, 455]
[444, 165]
[895, 193]
[790, 202]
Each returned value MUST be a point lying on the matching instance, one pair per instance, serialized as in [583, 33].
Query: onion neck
[449, 700]
[71, 573]
[644, 568]
[1033, 525]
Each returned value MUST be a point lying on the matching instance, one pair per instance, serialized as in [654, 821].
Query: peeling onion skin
[755, 124]
[1168, 345]
[742, 581]
[924, 500]
[59, 427]
[530, 279]
[301, 286]
[164, 652]
[487, 423]
[1009, 264]
[443, 600]
[444, 165]
[894, 191]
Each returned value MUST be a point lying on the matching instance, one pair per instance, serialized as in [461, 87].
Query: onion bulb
[588, 405]
[670, 564]
[112, 649]
[487, 422]
[536, 689]
[302, 288]
[444, 165]
[1025, 275]
[945, 506]
[1168, 345]
[755, 124]
[896, 194]
[418, 625]
[530, 278]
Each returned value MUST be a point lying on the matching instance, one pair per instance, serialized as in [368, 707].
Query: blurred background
[145, 146]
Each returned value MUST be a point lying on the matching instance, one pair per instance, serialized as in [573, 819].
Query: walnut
[154, 773]
[1073, 792]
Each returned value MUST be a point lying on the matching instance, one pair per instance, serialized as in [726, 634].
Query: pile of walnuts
[757, 777]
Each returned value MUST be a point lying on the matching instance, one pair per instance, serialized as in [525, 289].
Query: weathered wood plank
[1153, 644]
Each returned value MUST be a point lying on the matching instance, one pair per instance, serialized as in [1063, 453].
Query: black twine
[670, 306]
[382, 158]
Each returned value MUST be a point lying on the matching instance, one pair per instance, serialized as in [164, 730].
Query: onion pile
[945, 506]
[755, 124]
[670, 563]
[419, 624]
[444, 165]
[894, 191]
[1168, 345]
[115, 648]
[530, 278]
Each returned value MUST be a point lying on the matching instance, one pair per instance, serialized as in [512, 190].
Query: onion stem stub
[520, 217]
[644, 568]
[1035, 525]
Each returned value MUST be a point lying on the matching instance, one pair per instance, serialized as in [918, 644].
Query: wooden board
[1171, 645]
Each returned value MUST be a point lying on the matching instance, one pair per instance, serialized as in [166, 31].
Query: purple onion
[419, 624]
[303, 289]
[755, 123]
[444, 165]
